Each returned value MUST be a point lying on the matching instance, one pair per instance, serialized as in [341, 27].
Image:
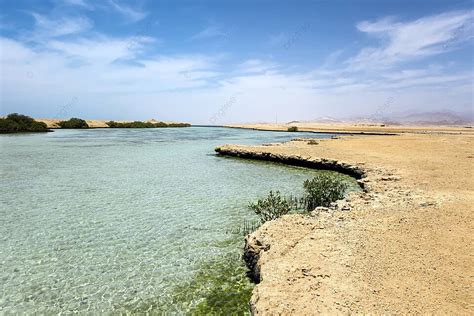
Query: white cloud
[46, 27]
[256, 66]
[209, 32]
[405, 41]
[12, 51]
[80, 3]
[132, 14]
[87, 66]
[101, 49]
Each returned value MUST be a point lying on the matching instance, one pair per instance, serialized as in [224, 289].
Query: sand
[404, 246]
[363, 128]
[53, 123]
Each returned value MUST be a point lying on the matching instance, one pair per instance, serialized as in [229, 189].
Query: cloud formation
[132, 14]
[79, 3]
[123, 77]
[209, 32]
[49, 27]
[404, 41]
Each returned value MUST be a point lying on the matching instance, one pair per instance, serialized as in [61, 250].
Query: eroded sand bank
[404, 246]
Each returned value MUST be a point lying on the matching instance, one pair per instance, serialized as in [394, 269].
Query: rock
[426, 204]
[321, 209]
[318, 210]
[390, 178]
[252, 251]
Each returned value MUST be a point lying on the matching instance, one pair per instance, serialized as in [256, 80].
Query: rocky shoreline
[371, 251]
[256, 244]
[295, 160]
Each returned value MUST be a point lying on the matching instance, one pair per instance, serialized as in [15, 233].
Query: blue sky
[216, 62]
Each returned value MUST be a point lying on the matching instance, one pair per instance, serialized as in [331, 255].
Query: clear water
[129, 220]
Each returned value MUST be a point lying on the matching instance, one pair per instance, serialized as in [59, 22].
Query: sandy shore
[362, 128]
[403, 246]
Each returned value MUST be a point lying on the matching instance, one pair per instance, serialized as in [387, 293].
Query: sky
[220, 62]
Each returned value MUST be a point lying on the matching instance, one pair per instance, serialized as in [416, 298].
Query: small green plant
[322, 190]
[249, 227]
[73, 123]
[292, 129]
[271, 207]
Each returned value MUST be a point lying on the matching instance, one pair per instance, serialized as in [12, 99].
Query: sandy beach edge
[400, 246]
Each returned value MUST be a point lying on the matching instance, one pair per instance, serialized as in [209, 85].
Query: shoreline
[295, 160]
[312, 131]
[408, 232]
[361, 129]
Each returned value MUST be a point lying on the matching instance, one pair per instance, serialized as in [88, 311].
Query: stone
[333, 205]
[321, 209]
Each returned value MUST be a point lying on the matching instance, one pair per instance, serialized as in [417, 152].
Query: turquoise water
[129, 220]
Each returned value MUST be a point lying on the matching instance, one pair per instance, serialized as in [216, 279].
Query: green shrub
[112, 124]
[17, 123]
[271, 207]
[138, 124]
[135, 124]
[292, 129]
[160, 124]
[73, 123]
[322, 190]
[179, 125]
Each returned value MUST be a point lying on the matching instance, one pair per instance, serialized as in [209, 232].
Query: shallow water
[127, 220]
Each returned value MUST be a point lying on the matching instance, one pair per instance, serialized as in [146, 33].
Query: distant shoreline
[359, 129]
[15, 123]
[312, 131]
[94, 124]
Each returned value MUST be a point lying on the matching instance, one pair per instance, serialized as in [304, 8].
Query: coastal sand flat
[405, 246]
[362, 128]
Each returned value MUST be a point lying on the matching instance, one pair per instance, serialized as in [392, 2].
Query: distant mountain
[321, 120]
[445, 117]
[433, 118]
